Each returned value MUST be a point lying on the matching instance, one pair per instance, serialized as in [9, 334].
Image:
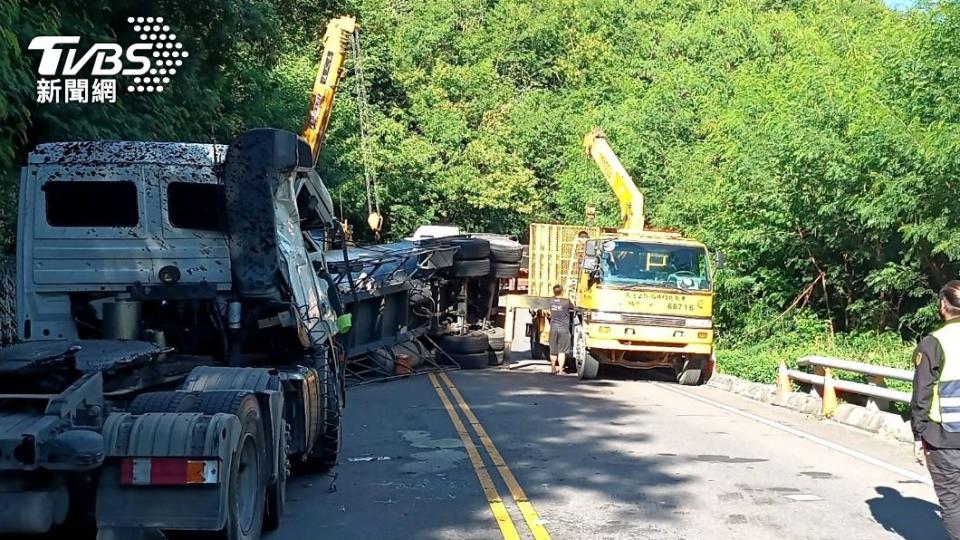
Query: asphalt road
[622, 457]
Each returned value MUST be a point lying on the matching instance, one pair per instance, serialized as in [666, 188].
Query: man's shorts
[559, 342]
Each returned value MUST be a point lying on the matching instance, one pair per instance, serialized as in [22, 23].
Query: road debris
[368, 458]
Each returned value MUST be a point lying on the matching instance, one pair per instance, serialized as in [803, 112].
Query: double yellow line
[442, 384]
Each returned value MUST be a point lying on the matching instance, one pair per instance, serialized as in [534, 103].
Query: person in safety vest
[935, 407]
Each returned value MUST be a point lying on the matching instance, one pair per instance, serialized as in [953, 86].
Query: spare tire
[478, 360]
[506, 270]
[471, 268]
[474, 342]
[470, 248]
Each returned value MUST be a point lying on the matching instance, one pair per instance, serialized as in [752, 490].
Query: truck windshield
[639, 264]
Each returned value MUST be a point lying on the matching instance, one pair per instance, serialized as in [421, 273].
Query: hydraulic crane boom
[631, 200]
[336, 40]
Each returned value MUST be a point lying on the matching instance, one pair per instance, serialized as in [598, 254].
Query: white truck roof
[435, 231]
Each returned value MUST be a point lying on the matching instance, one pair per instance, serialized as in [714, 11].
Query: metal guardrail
[876, 391]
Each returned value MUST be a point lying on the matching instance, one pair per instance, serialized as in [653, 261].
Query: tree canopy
[812, 141]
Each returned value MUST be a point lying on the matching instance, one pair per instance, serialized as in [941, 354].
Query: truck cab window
[632, 264]
[196, 206]
[91, 204]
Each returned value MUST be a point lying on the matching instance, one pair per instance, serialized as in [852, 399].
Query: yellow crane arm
[631, 200]
[336, 41]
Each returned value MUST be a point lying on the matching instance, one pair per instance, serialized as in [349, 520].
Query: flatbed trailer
[394, 289]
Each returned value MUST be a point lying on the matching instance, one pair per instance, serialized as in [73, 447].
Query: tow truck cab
[646, 301]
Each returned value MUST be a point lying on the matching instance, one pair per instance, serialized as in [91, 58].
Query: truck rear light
[169, 471]
[702, 335]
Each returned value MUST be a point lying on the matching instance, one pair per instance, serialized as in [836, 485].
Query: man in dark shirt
[560, 338]
[934, 418]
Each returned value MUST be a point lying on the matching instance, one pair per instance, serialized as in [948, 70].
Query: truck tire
[246, 499]
[474, 342]
[506, 254]
[205, 378]
[505, 270]
[689, 374]
[470, 248]
[477, 360]
[471, 268]
[588, 369]
[502, 248]
[326, 451]
[168, 402]
[587, 366]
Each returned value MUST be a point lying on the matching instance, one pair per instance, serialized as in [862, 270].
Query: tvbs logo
[89, 76]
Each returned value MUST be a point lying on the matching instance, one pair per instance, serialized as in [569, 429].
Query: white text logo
[147, 64]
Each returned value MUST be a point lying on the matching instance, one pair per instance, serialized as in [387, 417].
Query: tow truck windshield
[630, 265]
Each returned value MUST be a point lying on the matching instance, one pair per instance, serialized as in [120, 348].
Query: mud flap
[129, 508]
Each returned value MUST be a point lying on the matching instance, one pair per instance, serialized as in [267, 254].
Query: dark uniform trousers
[944, 467]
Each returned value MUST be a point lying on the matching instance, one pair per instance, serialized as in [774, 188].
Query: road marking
[507, 528]
[523, 503]
[804, 435]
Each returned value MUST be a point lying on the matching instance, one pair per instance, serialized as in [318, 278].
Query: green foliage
[757, 359]
[814, 142]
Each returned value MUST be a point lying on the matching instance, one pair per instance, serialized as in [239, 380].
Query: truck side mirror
[721, 259]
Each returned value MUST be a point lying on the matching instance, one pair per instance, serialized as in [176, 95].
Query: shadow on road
[580, 444]
[911, 518]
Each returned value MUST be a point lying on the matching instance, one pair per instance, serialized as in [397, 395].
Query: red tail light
[169, 471]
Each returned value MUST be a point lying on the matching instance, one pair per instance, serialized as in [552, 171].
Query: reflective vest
[945, 408]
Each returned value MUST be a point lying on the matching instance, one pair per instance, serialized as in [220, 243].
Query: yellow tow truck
[642, 299]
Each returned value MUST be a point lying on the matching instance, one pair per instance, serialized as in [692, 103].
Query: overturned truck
[179, 338]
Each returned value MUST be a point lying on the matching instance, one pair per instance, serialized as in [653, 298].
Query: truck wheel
[169, 402]
[246, 498]
[204, 378]
[506, 270]
[471, 268]
[331, 441]
[474, 342]
[502, 248]
[470, 248]
[689, 374]
[587, 366]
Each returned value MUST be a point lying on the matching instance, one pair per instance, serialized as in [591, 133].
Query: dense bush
[757, 359]
[815, 142]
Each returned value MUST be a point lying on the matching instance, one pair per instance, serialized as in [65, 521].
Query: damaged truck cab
[178, 337]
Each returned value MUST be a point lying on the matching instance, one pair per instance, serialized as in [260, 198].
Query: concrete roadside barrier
[888, 425]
